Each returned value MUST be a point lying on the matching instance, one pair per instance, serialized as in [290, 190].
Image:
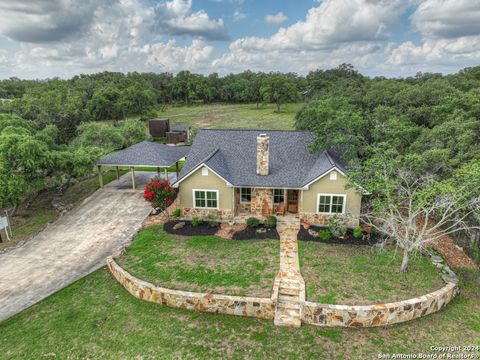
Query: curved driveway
[70, 248]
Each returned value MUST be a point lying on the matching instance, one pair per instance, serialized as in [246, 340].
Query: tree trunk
[405, 261]
[278, 106]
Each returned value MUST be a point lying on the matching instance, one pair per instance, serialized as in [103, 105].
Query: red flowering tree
[159, 193]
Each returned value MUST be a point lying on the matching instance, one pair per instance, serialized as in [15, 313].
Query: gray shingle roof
[146, 153]
[232, 154]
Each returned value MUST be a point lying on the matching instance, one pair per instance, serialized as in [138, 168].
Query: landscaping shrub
[196, 221]
[325, 235]
[212, 220]
[336, 227]
[271, 222]
[159, 193]
[357, 232]
[176, 213]
[253, 222]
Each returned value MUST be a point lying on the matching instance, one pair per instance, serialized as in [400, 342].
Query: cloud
[168, 57]
[118, 38]
[44, 20]
[238, 15]
[450, 36]
[276, 19]
[39, 21]
[447, 18]
[175, 17]
[334, 32]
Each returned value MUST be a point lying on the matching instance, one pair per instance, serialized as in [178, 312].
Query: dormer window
[333, 175]
[204, 171]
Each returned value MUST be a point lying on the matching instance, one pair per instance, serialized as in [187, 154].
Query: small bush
[325, 235]
[271, 222]
[196, 221]
[253, 222]
[176, 213]
[211, 219]
[336, 227]
[357, 232]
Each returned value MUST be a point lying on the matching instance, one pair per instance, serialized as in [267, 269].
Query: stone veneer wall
[322, 219]
[221, 214]
[262, 202]
[378, 314]
[220, 304]
[312, 313]
[384, 314]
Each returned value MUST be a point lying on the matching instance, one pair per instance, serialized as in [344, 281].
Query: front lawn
[203, 263]
[96, 318]
[354, 275]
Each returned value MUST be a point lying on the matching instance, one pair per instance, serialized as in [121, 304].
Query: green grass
[28, 221]
[346, 274]
[95, 318]
[203, 263]
[227, 116]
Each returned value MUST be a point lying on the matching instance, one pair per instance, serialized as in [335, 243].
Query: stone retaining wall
[311, 312]
[220, 304]
[378, 314]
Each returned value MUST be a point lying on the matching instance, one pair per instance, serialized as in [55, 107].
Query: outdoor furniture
[281, 209]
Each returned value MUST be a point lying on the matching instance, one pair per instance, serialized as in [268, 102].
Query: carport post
[176, 168]
[166, 173]
[100, 175]
[117, 169]
[133, 177]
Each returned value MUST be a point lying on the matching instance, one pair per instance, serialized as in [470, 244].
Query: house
[231, 173]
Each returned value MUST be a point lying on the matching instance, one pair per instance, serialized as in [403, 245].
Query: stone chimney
[262, 154]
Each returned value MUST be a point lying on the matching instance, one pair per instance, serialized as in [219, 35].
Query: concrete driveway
[70, 248]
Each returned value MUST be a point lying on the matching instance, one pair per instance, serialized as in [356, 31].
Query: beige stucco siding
[326, 186]
[209, 182]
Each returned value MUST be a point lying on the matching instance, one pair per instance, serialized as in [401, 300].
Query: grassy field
[203, 263]
[346, 274]
[30, 220]
[244, 116]
[96, 318]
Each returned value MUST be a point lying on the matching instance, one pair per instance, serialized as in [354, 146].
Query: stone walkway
[289, 284]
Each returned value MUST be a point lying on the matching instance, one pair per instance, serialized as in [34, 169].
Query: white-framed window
[206, 199]
[245, 195]
[333, 175]
[278, 196]
[331, 203]
[204, 171]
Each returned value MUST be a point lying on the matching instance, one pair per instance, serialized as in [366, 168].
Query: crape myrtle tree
[417, 209]
[159, 193]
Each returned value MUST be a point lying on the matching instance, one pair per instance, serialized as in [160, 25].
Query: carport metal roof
[146, 154]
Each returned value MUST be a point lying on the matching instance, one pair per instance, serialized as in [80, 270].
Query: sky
[62, 38]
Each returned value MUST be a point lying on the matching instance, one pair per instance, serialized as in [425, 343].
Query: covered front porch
[250, 201]
[144, 161]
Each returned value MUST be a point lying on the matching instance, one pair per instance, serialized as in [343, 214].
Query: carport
[146, 154]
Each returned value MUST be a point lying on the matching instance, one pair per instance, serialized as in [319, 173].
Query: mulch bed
[304, 235]
[203, 229]
[251, 233]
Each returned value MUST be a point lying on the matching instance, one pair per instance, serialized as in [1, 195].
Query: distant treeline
[109, 95]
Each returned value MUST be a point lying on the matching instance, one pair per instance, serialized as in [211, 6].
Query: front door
[292, 201]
